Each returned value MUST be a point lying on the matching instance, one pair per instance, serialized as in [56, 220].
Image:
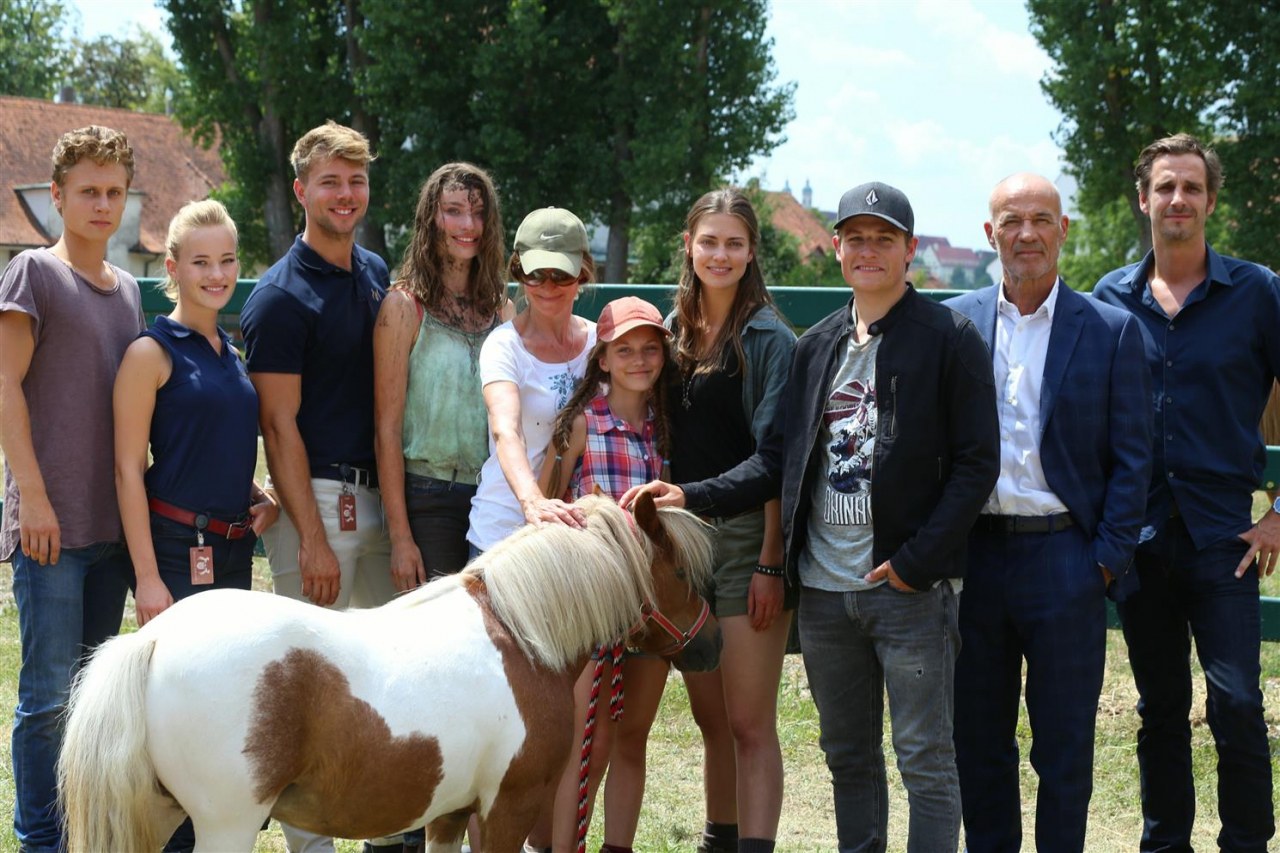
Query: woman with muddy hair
[432, 428]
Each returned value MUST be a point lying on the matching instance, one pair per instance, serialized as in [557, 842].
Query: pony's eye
[680, 574]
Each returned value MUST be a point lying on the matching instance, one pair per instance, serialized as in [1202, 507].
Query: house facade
[170, 170]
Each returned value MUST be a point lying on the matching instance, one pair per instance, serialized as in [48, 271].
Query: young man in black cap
[885, 450]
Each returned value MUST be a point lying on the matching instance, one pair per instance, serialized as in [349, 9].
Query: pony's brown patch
[545, 701]
[328, 759]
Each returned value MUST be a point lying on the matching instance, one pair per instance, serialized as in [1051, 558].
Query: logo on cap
[872, 198]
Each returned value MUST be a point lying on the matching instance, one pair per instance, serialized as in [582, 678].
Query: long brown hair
[422, 272]
[751, 290]
[594, 381]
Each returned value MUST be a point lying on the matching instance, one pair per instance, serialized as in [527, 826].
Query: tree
[691, 97]
[130, 73]
[623, 112]
[262, 74]
[1249, 127]
[1097, 244]
[30, 47]
[1125, 72]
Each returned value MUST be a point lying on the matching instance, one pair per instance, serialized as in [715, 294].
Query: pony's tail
[107, 785]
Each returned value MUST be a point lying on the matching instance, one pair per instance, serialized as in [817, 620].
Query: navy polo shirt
[1212, 367]
[204, 430]
[311, 318]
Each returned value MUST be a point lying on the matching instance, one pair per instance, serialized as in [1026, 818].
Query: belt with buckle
[1024, 523]
[200, 520]
[345, 473]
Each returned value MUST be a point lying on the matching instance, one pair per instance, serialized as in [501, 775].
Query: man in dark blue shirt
[1209, 328]
[308, 329]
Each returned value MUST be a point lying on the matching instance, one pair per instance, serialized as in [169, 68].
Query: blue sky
[940, 98]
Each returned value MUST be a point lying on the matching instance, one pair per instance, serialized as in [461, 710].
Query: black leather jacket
[937, 451]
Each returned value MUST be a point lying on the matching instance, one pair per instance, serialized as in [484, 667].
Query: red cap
[622, 315]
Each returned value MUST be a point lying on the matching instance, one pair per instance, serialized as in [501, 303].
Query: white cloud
[969, 32]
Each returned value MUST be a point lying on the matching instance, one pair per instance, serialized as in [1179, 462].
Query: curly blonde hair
[94, 142]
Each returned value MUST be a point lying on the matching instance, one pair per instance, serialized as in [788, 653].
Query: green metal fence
[802, 306]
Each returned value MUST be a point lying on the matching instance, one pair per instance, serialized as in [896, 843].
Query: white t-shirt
[544, 390]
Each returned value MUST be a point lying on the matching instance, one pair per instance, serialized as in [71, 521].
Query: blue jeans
[64, 610]
[1188, 593]
[439, 514]
[1040, 596]
[232, 558]
[856, 645]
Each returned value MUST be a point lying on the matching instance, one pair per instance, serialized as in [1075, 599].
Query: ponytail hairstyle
[192, 215]
[750, 296]
[596, 381]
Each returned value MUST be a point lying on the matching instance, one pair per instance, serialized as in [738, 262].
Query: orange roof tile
[790, 216]
[170, 169]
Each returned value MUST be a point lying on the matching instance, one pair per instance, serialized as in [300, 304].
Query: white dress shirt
[1021, 344]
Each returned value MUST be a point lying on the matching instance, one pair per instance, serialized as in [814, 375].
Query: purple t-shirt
[81, 334]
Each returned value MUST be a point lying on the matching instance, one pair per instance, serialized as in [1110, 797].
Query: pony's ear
[646, 514]
[596, 490]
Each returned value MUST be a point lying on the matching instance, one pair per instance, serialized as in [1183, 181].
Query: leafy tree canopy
[1127, 72]
[31, 42]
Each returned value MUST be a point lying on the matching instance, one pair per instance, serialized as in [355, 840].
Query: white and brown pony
[455, 698]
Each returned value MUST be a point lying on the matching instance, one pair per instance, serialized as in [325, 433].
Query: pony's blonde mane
[561, 591]
[695, 552]
[434, 588]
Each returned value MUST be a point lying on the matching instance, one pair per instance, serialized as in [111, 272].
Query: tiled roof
[955, 256]
[927, 240]
[169, 168]
[790, 216]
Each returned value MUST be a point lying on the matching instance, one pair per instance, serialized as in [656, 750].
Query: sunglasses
[538, 278]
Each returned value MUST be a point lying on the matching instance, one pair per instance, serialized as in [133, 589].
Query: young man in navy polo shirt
[1209, 327]
[308, 329]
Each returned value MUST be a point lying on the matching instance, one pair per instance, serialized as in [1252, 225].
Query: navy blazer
[1095, 420]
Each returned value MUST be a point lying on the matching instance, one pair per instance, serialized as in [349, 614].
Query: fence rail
[802, 306]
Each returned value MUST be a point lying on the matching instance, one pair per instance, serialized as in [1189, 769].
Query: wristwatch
[1275, 506]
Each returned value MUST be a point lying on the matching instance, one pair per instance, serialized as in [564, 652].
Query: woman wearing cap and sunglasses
[529, 368]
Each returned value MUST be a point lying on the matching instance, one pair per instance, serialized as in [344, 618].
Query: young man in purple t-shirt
[66, 316]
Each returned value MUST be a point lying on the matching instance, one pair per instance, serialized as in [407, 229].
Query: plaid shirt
[616, 457]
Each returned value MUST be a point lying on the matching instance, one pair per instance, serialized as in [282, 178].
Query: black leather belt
[1024, 523]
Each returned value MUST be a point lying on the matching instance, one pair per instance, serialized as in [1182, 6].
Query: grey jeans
[856, 645]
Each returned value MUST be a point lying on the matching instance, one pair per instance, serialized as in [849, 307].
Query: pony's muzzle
[702, 654]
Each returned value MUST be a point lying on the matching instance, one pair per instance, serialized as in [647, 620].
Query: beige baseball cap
[551, 238]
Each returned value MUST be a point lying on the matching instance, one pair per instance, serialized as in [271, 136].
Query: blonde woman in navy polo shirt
[183, 390]
[190, 519]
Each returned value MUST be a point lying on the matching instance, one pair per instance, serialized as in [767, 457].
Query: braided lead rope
[616, 692]
[589, 729]
[584, 757]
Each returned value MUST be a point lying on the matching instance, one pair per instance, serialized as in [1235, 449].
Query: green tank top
[446, 426]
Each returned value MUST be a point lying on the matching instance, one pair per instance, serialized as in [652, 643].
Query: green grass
[672, 816]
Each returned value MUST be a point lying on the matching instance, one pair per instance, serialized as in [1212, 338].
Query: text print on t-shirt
[851, 418]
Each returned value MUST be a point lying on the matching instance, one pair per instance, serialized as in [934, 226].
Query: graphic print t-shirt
[838, 551]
